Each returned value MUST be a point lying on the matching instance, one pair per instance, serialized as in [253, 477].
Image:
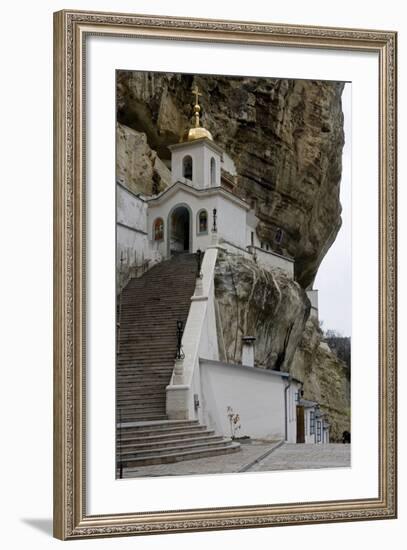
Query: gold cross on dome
[196, 93]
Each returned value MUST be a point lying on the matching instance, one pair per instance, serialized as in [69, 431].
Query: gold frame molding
[70, 31]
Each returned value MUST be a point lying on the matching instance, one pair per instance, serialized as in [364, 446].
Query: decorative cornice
[207, 191]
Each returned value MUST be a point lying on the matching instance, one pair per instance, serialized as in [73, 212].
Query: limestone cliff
[284, 136]
[267, 304]
[251, 301]
[326, 378]
[138, 167]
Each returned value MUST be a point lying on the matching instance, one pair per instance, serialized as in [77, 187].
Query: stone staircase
[169, 441]
[149, 309]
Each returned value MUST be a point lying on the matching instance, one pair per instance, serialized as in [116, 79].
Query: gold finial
[197, 108]
[197, 132]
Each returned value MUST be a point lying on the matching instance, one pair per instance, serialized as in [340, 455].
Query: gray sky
[334, 278]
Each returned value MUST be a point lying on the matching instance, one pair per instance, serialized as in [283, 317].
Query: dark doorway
[300, 425]
[179, 233]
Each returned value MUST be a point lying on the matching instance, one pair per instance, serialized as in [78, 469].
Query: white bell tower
[196, 160]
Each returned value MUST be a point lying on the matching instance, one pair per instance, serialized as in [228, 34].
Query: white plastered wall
[255, 394]
[201, 154]
[231, 218]
[133, 245]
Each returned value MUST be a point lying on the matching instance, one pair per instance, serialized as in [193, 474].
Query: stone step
[141, 363]
[179, 456]
[141, 347]
[177, 301]
[136, 396]
[126, 414]
[132, 447]
[140, 405]
[142, 408]
[162, 434]
[149, 377]
[163, 347]
[146, 453]
[135, 383]
[127, 366]
[135, 359]
[154, 437]
[138, 391]
[153, 426]
[132, 384]
[136, 406]
[158, 313]
[138, 384]
[142, 417]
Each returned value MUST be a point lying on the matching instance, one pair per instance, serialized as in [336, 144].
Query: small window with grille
[202, 222]
[312, 423]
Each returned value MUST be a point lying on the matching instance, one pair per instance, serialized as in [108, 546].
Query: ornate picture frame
[71, 518]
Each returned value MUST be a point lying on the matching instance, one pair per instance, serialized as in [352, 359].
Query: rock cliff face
[326, 378]
[138, 167]
[285, 137]
[269, 305]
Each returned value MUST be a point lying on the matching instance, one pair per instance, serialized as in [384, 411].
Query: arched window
[158, 229]
[279, 236]
[213, 172]
[202, 222]
[187, 167]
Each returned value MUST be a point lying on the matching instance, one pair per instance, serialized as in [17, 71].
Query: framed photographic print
[225, 274]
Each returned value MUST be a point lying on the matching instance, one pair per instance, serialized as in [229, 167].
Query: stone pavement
[309, 456]
[222, 464]
[252, 458]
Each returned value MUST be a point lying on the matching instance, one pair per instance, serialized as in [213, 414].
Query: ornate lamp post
[199, 257]
[180, 331]
[214, 227]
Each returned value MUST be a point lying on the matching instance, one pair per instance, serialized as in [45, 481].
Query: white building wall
[231, 219]
[208, 155]
[269, 260]
[256, 395]
[313, 298]
[195, 204]
[228, 165]
[201, 154]
[130, 209]
[231, 222]
[251, 225]
[132, 241]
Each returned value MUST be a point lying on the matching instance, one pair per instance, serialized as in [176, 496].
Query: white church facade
[198, 213]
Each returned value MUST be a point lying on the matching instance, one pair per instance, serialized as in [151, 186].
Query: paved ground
[222, 464]
[300, 457]
[279, 457]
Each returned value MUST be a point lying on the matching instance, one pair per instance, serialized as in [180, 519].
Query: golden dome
[197, 132]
